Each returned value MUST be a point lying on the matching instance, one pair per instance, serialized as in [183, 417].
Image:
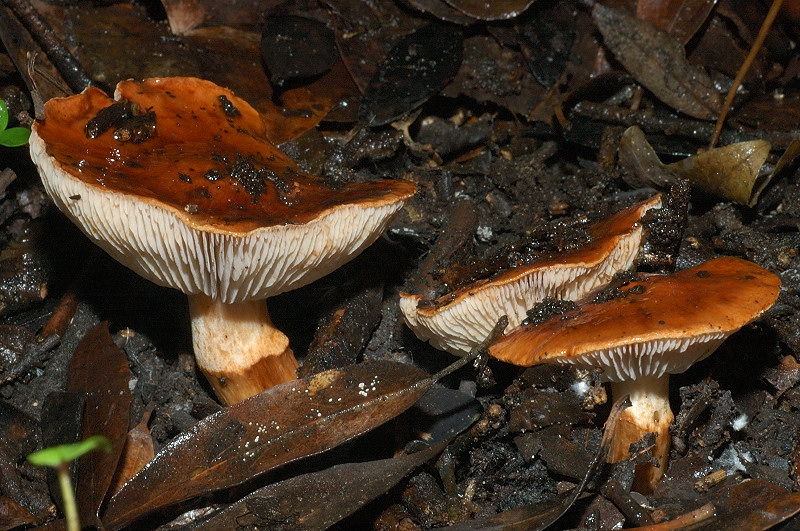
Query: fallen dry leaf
[731, 171]
[319, 499]
[100, 370]
[658, 61]
[285, 423]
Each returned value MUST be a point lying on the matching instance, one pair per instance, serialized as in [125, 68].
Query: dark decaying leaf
[546, 41]
[296, 47]
[442, 413]
[100, 371]
[343, 332]
[658, 61]
[287, 422]
[418, 67]
[679, 18]
[483, 10]
[319, 499]
[13, 515]
[62, 415]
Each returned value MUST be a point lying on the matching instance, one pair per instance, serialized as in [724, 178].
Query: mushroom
[176, 180]
[658, 325]
[458, 321]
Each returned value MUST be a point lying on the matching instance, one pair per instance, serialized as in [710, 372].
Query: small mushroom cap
[662, 324]
[207, 204]
[458, 321]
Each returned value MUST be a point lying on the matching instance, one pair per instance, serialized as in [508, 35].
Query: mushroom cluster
[656, 326]
[175, 178]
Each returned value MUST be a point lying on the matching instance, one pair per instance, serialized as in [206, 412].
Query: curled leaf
[732, 171]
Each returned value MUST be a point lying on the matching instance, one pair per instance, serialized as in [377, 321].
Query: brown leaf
[757, 505]
[285, 423]
[642, 165]
[138, 451]
[100, 370]
[319, 499]
[657, 61]
[679, 18]
[13, 515]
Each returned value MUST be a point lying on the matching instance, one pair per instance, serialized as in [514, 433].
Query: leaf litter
[529, 166]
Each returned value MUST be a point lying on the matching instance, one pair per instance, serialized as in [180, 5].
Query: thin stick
[476, 351]
[71, 70]
[748, 62]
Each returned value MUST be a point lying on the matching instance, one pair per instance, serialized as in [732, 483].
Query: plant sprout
[59, 457]
[13, 136]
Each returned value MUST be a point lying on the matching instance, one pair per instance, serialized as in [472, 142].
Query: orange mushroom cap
[207, 204]
[193, 196]
[659, 325]
[458, 321]
[662, 324]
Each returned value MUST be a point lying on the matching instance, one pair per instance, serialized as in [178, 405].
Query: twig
[71, 70]
[748, 62]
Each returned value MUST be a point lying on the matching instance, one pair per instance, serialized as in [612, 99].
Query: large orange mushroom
[460, 320]
[659, 325]
[175, 178]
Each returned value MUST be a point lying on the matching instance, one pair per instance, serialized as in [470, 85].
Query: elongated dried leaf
[100, 370]
[657, 61]
[287, 422]
[319, 499]
[732, 171]
[679, 18]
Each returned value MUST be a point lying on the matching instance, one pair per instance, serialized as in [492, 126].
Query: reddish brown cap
[663, 323]
[462, 319]
[202, 202]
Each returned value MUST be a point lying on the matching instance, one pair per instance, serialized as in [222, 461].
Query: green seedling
[13, 136]
[59, 457]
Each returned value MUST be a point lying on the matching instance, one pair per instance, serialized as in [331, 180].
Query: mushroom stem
[237, 347]
[649, 413]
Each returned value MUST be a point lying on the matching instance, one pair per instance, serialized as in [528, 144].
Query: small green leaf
[15, 137]
[3, 115]
[64, 453]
